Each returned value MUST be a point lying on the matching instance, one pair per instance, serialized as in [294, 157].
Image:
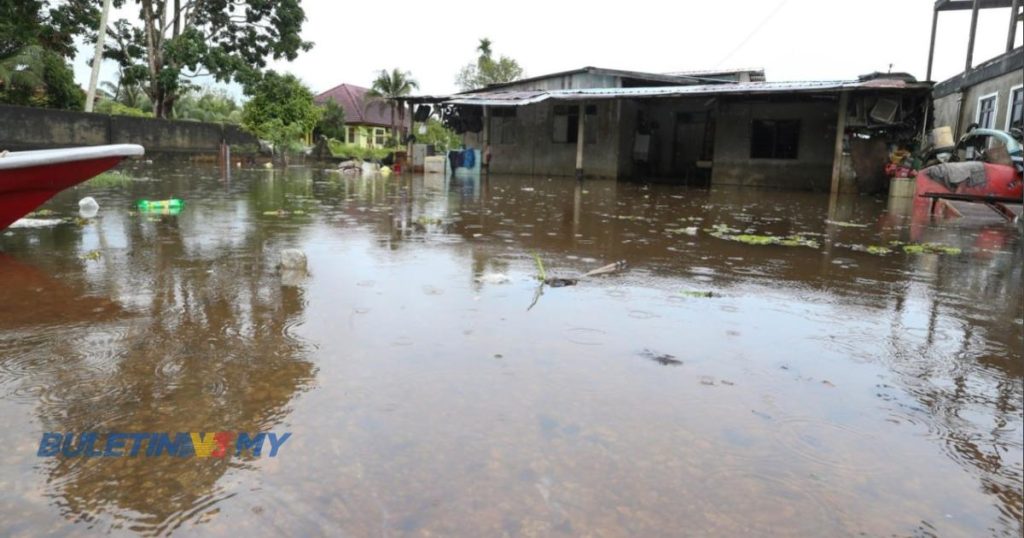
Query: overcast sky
[791, 39]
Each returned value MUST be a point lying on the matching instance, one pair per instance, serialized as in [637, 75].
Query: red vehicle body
[998, 152]
[30, 178]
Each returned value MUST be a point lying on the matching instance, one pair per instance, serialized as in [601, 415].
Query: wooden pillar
[1014, 13]
[931, 46]
[837, 159]
[484, 165]
[580, 135]
[408, 138]
[974, 31]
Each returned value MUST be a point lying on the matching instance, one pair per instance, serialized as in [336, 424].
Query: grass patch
[111, 178]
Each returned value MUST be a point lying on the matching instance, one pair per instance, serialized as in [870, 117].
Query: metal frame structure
[975, 6]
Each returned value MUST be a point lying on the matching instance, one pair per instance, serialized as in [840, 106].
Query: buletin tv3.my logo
[151, 445]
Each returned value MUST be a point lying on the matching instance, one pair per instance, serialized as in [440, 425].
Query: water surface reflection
[815, 391]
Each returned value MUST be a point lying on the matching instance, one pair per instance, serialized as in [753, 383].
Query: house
[717, 127]
[367, 121]
[991, 94]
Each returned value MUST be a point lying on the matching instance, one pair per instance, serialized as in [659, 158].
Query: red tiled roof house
[367, 121]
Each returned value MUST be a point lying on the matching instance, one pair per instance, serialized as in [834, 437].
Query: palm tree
[388, 88]
[23, 67]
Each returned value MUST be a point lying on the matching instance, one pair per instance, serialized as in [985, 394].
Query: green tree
[178, 40]
[280, 109]
[332, 120]
[439, 136]
[387, 88]
[210, 105]
[39, 77]
[487, 70]
[35, 38]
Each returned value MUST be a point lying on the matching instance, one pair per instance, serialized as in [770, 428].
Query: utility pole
[101, 35]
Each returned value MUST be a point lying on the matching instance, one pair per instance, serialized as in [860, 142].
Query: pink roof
[358, 108]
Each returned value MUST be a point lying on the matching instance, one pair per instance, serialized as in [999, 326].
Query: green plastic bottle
[159, 205]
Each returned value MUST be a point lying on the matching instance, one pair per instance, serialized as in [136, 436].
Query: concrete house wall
[533, 150]
[811, 170]
[997, 76]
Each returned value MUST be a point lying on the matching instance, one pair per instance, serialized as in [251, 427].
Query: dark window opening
[567, 124]
[987, 112]
[1017, 108]
[774, 139]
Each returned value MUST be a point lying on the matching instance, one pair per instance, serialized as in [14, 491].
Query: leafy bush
[351, 151]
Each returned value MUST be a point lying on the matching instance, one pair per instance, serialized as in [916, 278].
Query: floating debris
[555, 282]
[608, 269]
[283, 213]
[88, 207]
[35, 223]
[661, 358]
[92, 255]
[689, 230]
[699, 294]
[845, 224]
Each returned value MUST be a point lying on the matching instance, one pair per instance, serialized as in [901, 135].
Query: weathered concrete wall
[24, 128]
[945, 107]
[811, 170]
[535, 152]
[996, 76]
[665, 114]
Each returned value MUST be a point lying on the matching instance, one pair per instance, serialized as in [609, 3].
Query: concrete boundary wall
[26, 128]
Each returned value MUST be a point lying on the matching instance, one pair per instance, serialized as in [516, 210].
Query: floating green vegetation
[931, 248]
[698, 294]
[42, 213]
[92, 255]
[754, 239]
[112, 178]
[541, 274]
[878, 250]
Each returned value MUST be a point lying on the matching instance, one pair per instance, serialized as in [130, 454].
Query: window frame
[1009, 105]
[775, 142]
[995, 110]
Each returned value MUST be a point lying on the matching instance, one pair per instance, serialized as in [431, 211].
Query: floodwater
[715, 388]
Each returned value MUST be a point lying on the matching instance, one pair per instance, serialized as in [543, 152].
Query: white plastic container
[434, 164]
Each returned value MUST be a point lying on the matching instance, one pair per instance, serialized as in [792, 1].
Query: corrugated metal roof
[519, 98]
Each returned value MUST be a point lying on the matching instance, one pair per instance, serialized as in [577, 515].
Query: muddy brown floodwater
[715, 388]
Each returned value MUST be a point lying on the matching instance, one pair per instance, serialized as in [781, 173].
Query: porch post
[1014, 13]
[837, 159]
[484, 165]
[579, 139]
[974, 30]
[931, 46]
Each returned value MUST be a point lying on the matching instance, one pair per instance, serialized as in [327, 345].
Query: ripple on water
[830, 444]
[739, 502]
[586, 337]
